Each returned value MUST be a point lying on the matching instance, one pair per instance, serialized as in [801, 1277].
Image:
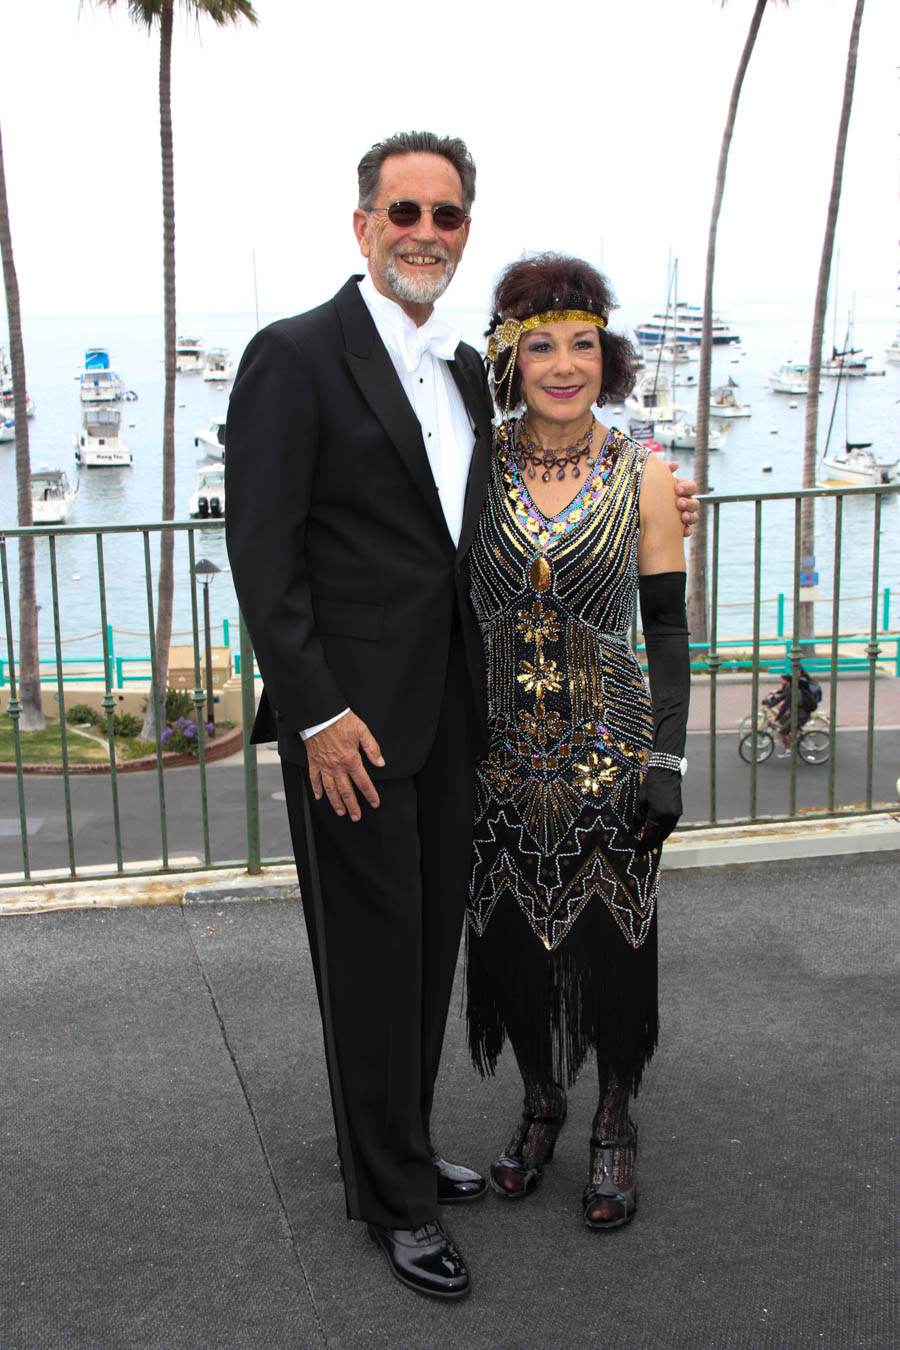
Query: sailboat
[650, 402]
[857, 465]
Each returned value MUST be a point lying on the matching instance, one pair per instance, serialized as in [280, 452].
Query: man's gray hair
[412, 143]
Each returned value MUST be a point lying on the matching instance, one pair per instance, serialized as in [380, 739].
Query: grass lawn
[84, 745]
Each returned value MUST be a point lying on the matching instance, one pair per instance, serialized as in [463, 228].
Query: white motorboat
[677, 353]
[99, 446]
[208, 497]
[190, 355]
[100, 383]
[212, 438]
[8, 430]
[724, 402]
[219, 366]
[681, 435]
[856, 467]
[650, 400]
[52, 496]
[7, 394]
[791, 377]
[685, 324]
[893, 351]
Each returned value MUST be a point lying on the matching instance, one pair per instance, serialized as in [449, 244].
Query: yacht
[856, 467]
[208, 497]
[99, 446]
[99, 383]
[190, 355]
[52, 497]
[212, 438]
[685, 325]
[683, 436]
[650, 400]
[219, 366]
[791, 377]
[893, 351]
[724, 402]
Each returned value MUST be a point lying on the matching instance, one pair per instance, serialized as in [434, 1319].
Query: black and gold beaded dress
[562, 934]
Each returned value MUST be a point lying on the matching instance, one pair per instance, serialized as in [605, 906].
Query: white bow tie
[435, 336]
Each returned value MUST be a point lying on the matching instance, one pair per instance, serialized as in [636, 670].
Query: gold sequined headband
[508, 332]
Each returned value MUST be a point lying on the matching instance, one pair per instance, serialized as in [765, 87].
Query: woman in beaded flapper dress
[582, 781]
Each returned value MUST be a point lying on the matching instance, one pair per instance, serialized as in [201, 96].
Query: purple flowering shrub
[182, 735]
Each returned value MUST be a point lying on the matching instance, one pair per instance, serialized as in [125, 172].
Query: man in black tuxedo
[357, 451]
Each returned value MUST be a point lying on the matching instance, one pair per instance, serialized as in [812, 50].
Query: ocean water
[771, 332]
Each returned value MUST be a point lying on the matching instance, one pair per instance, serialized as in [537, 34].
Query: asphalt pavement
[170, 1180]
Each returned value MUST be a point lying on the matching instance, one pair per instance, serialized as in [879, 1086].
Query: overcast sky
[595, 128]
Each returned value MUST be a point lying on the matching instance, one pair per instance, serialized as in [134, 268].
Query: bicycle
[813, 737]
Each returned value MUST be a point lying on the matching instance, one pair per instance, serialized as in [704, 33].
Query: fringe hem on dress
[593, 993]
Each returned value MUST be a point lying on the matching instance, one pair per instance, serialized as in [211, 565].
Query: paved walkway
[169, 1178]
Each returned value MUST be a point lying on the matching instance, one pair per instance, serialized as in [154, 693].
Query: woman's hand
[657, 809]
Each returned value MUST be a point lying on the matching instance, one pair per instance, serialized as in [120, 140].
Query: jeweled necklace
[531, 456]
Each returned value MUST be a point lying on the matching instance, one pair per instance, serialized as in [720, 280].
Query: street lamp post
[205, 571]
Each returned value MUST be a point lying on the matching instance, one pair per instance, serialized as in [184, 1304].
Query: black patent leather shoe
[424, 1259]
[457, 1184]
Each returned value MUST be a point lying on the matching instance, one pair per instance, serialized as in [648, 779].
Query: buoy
[793, 405]
[76, 576]
[767, 467]
[773, 431]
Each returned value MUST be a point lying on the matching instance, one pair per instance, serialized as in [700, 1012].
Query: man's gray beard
[418, 290]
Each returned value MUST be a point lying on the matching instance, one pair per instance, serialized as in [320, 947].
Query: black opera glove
[664, 620]
[657, 809]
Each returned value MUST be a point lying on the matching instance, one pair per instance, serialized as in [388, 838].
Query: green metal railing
[832, 653]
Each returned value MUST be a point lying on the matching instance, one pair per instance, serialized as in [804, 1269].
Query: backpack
[812, 689]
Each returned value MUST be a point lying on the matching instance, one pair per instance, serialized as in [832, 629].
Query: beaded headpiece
[507, 335]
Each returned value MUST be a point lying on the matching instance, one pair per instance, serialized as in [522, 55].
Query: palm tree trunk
[698, 589]
[810, 446]
[31, 717]
[167, 540]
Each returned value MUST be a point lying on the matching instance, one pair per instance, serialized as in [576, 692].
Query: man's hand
[336, 765]
[685, 501]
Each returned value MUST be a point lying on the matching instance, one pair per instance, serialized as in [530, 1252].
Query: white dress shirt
[420, 354]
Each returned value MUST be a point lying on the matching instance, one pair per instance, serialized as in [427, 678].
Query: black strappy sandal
[513, 1177]
[606, 1205]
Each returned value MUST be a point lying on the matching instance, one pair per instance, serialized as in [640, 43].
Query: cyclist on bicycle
[780, 702]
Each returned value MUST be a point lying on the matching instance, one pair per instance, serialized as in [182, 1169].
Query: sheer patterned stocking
[611, 1122]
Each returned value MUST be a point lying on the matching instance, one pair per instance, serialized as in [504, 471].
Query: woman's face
[561, 370]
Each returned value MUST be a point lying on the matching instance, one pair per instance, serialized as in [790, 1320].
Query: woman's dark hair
[411, 143]
[546, 281]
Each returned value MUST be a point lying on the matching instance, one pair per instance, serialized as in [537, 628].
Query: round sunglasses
[446, 216]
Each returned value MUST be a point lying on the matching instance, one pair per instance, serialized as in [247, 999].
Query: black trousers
[384, 917]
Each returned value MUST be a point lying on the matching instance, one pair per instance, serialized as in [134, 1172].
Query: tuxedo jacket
[344, 568]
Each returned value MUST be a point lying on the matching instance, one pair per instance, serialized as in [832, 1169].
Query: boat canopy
[96, 358]
[102, 417]
[48, 478]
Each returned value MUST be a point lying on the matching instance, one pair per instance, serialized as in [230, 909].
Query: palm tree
[146, 14]
[810, 447]
[698, 588]
[31, 717]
